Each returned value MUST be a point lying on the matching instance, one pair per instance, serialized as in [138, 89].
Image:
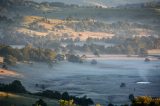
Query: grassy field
[9, 99]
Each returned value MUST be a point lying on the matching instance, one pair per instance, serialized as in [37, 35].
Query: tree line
[28, 53]
[17, 87]
[128, 46]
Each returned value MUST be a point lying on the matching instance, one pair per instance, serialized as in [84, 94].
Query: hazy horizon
[108, 3]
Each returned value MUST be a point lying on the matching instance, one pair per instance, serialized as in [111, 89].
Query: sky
[100, 2]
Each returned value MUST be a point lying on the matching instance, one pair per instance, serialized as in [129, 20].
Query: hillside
[8, 99]
[31, 21]
[40, 26]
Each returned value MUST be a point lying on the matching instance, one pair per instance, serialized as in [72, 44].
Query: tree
[74, 59]
[40, 102]
[25, 52]
[66, 102]
[49, 54]
[4, 66]
[110, 104]
[65, 96]
[131, 97]
[10, 60]
[123, 85]
[96, 53]
[130, 50]
[98, 104]
[157, 43]
[142, 52]
[6, 50]
[93, 62]
[146, 101]
[17, 87]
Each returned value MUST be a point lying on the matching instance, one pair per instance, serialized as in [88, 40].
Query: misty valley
[57, 54]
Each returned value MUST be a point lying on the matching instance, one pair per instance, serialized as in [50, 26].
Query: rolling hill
[29, 20]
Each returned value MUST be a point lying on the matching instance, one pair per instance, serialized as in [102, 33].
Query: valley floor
[101, 82]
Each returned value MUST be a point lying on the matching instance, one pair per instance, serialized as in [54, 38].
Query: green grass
[22, 100]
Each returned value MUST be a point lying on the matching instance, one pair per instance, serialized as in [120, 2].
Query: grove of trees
[28, 53]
